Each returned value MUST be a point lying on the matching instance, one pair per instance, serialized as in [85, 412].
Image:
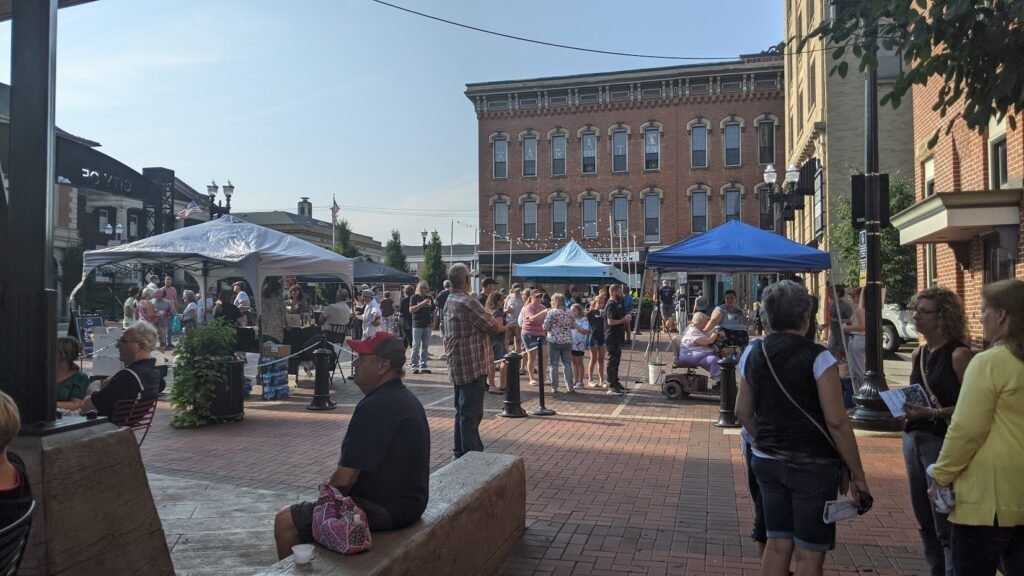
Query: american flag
[334, 212]
[189, 210]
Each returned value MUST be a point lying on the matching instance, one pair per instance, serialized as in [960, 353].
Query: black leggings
[978, 550]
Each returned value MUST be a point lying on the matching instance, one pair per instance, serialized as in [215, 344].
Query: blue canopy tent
[571, 262]
[738, 247]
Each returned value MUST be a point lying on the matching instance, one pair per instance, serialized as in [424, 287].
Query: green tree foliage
[433, 270]
[966, 47]
[393, 255]
[199, 370]
[343, 240]
[899, 263]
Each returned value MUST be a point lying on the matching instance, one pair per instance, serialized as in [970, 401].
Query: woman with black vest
[791, 402]
[938, 366]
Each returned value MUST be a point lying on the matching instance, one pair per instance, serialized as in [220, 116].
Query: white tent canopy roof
[224, 248]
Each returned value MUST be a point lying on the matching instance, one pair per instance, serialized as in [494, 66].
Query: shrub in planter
[201, 364]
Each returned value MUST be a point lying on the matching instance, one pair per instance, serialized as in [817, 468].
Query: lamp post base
[543, 412]
[871, 412]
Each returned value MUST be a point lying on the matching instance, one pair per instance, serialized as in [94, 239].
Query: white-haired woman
[559, 325]
[697, 346]
[190, 315]
[139, 380]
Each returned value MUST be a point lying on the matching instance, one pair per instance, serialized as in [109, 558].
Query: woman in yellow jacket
[982, 454]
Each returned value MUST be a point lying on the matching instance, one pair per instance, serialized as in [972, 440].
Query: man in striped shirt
[467, 332]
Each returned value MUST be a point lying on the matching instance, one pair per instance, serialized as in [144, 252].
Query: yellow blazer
[983, 454]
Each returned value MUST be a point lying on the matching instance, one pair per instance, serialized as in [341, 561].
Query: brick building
[967, 222]
[653, 155]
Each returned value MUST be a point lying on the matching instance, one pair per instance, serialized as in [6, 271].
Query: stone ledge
[476, 514]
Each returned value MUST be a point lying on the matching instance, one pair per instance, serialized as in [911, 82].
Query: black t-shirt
[124, 386]
[424, 317]
[403, 309]
[596, 320]
[614, 311]
[227, 312]
[388, 441]
[942, 381]
[667, 295]
[15, 502]
[442, 297]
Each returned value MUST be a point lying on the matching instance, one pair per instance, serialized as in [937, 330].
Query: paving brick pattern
[634, 485]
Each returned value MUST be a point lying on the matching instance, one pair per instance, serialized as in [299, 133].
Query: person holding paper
[938, 367]
[855, 340]
[980, 457]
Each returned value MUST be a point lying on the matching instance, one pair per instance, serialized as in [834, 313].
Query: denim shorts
[793, 498]
[530, 340]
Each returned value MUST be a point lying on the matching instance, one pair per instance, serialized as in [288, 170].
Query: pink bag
[338, 524]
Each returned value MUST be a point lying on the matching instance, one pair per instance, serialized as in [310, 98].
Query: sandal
[495, 391]
[534, 383]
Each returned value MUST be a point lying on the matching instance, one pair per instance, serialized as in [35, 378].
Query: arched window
[652, 215]
[559, 214]
[732, 194]
[529, 206]
[499, 208]
[499, 155]
[619, 135]
[732, 128]
[620, 212]
[528, 139]
[698, 208]
[766, 126]
[588, 208]
[699, 130]
[652, 145]
[588, 150]
[559, 147]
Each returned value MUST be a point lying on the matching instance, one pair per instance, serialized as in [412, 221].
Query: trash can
[656, 374]
[228, 400]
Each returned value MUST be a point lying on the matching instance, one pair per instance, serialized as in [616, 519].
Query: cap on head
[368, 294]
[489, 282]
[383, 344]
[447, 284]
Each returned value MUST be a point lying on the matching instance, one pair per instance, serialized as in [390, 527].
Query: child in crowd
[580, 336]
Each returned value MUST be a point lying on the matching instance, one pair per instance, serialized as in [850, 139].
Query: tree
[899, 263]
[966, 46]
[393, 255]
[433, 267]
[343, 240]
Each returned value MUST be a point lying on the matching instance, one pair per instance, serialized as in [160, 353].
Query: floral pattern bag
[338, 524]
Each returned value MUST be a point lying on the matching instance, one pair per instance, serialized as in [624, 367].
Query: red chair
[134, 414]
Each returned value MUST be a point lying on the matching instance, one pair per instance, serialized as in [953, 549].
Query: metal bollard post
[322, 390]
[513, 407]
[542, 410]
[727, 388]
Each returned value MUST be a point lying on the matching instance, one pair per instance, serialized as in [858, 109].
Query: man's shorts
[302, 516]
[793, 498]
[667, 310]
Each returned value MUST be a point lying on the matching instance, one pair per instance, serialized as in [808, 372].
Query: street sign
[858, 192]
[863, 250]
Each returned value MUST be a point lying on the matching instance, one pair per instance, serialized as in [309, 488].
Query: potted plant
[204, 374]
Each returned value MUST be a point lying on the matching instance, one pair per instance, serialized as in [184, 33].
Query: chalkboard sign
[82, 327]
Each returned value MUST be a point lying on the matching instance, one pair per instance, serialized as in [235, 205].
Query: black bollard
[322, 390]
[542, 410]
[513, 407]
[727, 388]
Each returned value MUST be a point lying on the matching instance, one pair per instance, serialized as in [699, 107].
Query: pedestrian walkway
[632, 485]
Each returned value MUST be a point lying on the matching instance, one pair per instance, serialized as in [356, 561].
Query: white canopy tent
[225, 248]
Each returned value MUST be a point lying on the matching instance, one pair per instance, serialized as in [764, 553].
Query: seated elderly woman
[697, 346]
[138, 380]
[71, 381]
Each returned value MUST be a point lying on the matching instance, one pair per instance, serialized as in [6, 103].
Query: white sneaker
[578, 385]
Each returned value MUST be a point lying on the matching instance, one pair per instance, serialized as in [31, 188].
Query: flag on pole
[335, 209]
[189, 210]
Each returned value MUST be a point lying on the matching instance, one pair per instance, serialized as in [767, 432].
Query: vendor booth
[367, 271]
[569, 263]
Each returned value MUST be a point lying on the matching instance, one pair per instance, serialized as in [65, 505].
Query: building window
[103, 217]
[501, 219]
[812, 88]
[620, 215]
[500, 158]
[766, 142]
[929, 177]
[999, 176]
[700, 211]
[699, 146]
[133, 226]
[732, 144]
[998, 261]
[652, 219]
[530, 220]
[590, 217]
[558, 156]
[620, 151]
[819, 200]
[529, 157]
[732, 204]
[558, 218]
[589, 153]
[931, 266]
[799, 112]
[765, 209]
[652, 149]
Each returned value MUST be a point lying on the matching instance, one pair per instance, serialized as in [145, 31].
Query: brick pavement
[634, 485]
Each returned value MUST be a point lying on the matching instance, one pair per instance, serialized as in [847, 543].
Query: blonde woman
[580, 335]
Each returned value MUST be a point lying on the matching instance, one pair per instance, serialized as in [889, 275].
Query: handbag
[338, 524]
[844, 470]
[176, 325]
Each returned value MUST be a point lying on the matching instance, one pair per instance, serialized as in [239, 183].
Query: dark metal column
[871, 413]
[28, 308]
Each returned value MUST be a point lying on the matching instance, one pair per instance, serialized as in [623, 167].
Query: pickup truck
[897, 327]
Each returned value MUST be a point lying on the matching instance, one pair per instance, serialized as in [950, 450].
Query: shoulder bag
[924, 380]
[339, 524]
[844, 470]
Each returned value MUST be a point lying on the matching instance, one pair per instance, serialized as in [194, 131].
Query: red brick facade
[963, 162]
[674, 112]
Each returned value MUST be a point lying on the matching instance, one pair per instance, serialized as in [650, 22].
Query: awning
[957, 216]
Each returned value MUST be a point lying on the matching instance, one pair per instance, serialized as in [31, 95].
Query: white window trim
[536, 155]
[725, 201]
[700, 189]
[993, 159]
[739, 126]
[596, 136]
[651, 128]
[494, 213]
[536, 222]
[551, 143]
[494, 161]
[596, 197]
[766, 119]
[656, 195]
[707, 140]
[611, 140]
[611, 200]
[559, 197]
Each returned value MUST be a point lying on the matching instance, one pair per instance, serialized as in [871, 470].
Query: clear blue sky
[346, 97]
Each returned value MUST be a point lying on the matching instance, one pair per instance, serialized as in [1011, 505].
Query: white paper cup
[303, 553]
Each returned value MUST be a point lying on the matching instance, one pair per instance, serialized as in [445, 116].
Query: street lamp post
[119, 229]
[780, 196]
[216, 208]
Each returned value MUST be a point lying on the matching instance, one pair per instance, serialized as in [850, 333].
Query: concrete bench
[476, 514]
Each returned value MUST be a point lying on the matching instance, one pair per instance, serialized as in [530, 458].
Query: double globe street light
[216, 208]
[779, 197]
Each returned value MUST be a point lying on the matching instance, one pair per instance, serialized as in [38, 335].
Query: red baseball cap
[371, 345]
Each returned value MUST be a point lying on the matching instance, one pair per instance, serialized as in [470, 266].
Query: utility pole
[871, 412]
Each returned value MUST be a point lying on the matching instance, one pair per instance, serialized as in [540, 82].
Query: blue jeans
[563, 353]
[420, 342]
[469, 411]
[793, 498]
[921, 449]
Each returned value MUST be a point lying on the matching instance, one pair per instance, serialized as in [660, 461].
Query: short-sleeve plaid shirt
[467, 333]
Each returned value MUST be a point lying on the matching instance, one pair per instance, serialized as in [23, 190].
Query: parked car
[897, 327]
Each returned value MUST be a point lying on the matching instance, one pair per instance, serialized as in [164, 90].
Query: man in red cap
[385, 456]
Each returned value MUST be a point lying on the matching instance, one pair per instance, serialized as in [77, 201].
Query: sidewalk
[633, 485]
